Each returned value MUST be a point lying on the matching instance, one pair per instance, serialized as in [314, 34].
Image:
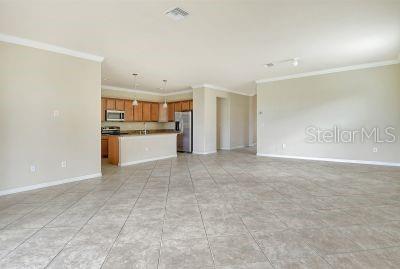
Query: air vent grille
[176, 13]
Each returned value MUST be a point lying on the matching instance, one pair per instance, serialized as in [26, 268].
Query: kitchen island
[134, 148]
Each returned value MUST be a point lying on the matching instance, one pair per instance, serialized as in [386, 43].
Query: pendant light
[165, 105]
[135, 102]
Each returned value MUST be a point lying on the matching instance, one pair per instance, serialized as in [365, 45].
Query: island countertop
[132, 148]
[138, 132]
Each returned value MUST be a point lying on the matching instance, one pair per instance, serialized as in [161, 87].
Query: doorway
[223, 136]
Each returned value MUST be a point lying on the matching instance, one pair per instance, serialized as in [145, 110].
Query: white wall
[205, 119]
[34, 83]
[350, 100]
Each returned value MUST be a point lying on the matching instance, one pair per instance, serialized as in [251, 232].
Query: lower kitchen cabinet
[104, 146]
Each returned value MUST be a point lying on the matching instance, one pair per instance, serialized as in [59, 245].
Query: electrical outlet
[374, 149]
[283, 146]
[64, 164]
[33, 168]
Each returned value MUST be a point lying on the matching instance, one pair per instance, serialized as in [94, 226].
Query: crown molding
[49, 47]
[330, 71]
[214, 87]
[113, 88]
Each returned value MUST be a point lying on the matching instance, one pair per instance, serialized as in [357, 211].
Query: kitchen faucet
[145, 128]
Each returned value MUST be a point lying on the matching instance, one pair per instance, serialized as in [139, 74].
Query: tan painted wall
[351, 100]
[223, 124]
[253, 120]
[34, 83]
[205, 119]
[239, 118]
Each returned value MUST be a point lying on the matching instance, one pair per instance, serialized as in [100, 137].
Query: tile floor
[227, 210]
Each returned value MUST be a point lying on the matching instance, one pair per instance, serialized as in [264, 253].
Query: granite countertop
[150, 132]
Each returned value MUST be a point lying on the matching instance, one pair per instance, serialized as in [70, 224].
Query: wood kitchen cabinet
[103, 109]
[146, 111]
[171, 112]
[110, 104]
[104, 146]
[128, 107]
[138, 112]
[154, 112]
[178, 106]
[162, 113]
[185, 105]
[119, 105]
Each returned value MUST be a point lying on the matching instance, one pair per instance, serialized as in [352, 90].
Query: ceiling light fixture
[135, 102]
[295, 62]
[165, 105]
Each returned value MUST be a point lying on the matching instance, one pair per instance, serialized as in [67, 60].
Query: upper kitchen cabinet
[162, 113]
[154, 112]
[185, 105]
[110, 104]
[178, 106]
[138, 112]
[119, 105]
[171, 111]
[146, 111]
[103, 109]
[128, 107]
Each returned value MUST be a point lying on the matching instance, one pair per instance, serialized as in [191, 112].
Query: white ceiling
[223, 43]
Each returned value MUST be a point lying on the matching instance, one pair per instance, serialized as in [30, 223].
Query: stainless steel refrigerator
[183, 124]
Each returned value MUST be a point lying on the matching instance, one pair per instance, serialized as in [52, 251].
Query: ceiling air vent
[176, 13]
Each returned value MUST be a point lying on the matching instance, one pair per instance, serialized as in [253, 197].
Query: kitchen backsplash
[139, 125]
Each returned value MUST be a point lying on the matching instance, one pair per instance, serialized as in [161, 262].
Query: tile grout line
[165, 216]
[80, 229]
[40, 205]
[201, 215]
[129, 214]
[248, 231]
[37, 231]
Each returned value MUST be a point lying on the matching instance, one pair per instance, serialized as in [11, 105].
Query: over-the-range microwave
[115, 115]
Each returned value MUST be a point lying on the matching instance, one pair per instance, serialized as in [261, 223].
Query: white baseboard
[238, 147]
[204, 153]
[48, 184]
[329, 159]
[147, 160]
[253, 145]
